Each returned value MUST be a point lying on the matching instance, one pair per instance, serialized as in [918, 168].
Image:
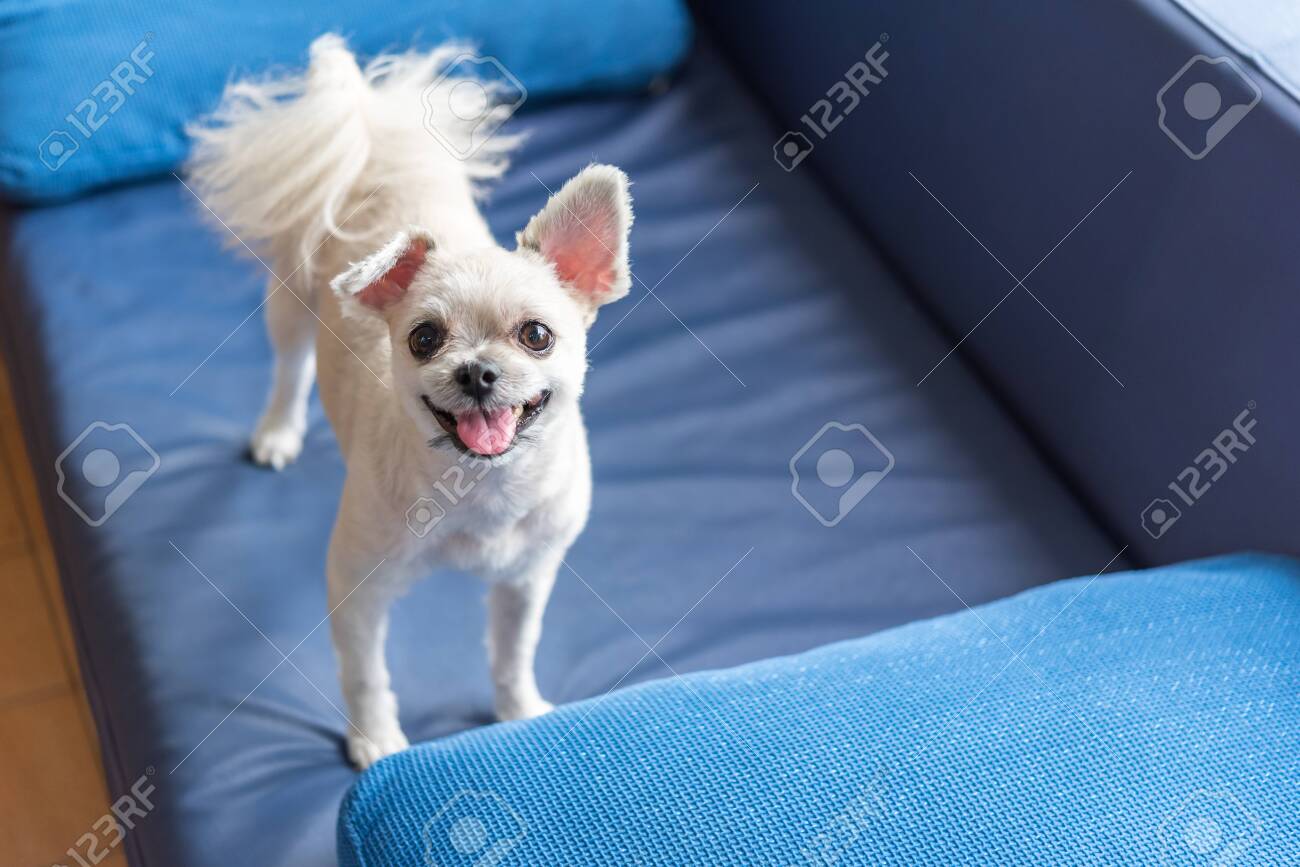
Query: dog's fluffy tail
[287, 162]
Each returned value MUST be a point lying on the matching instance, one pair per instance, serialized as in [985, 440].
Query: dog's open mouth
[488, 432]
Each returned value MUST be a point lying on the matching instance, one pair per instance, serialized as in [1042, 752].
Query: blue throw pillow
[1145, 718]
[96, 92]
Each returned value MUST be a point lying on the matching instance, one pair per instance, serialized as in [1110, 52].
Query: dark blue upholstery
[115, 300]
[1020, 117]
[1146, 718]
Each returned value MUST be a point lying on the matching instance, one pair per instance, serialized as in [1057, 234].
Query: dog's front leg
[359, 602]
[515, 611]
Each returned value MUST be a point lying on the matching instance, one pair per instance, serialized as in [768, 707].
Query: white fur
[592, 209]
[362, 274]
[333, 173]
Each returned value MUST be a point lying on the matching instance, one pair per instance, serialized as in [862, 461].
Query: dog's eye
[535, 336]
[424, 340]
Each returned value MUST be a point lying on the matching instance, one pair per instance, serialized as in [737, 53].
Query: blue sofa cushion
[689, 476]
[1145, 718]
[99, 91]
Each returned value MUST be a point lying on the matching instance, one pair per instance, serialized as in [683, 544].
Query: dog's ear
[582, 231]
[382, 278]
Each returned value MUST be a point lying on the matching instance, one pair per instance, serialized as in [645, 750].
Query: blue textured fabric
[1146, 718]
[123, 307]
[93, 91]
[1020, 118]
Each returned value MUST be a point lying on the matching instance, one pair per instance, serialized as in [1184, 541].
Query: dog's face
[488, 345]
[485, 346]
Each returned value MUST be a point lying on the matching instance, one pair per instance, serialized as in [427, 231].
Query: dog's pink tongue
[488, 433]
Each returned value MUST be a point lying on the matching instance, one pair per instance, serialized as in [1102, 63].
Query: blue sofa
[837, 412]
[1071, 724]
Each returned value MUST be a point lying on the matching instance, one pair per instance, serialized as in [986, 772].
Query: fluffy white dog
[450, 367]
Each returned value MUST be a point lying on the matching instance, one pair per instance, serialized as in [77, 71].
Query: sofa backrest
[1126, 278]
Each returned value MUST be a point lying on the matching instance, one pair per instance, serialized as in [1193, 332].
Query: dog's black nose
[477, 378]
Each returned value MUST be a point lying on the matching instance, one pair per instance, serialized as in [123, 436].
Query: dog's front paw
[523, 709]
[364, 749]
[276, 444]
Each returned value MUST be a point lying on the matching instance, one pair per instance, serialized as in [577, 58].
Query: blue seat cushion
[107, 88]
[772, 316]
[1145, 718]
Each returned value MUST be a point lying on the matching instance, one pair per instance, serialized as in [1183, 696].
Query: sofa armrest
[1088, 721]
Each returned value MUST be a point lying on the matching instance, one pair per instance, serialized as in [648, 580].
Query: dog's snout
[476, 378]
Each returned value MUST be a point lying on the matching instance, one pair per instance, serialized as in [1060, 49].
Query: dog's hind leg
[277, 440]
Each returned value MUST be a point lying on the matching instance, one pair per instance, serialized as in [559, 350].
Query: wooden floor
[51, 783]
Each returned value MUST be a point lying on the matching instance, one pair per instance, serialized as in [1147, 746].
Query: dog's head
[487, 344]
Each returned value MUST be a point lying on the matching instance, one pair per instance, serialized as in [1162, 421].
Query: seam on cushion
[369, 785]
[348, 827]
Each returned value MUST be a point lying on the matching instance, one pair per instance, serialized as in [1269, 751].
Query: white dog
[450, 368]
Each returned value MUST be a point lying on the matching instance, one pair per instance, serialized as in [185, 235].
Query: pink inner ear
[581, 255]
[393, 285]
